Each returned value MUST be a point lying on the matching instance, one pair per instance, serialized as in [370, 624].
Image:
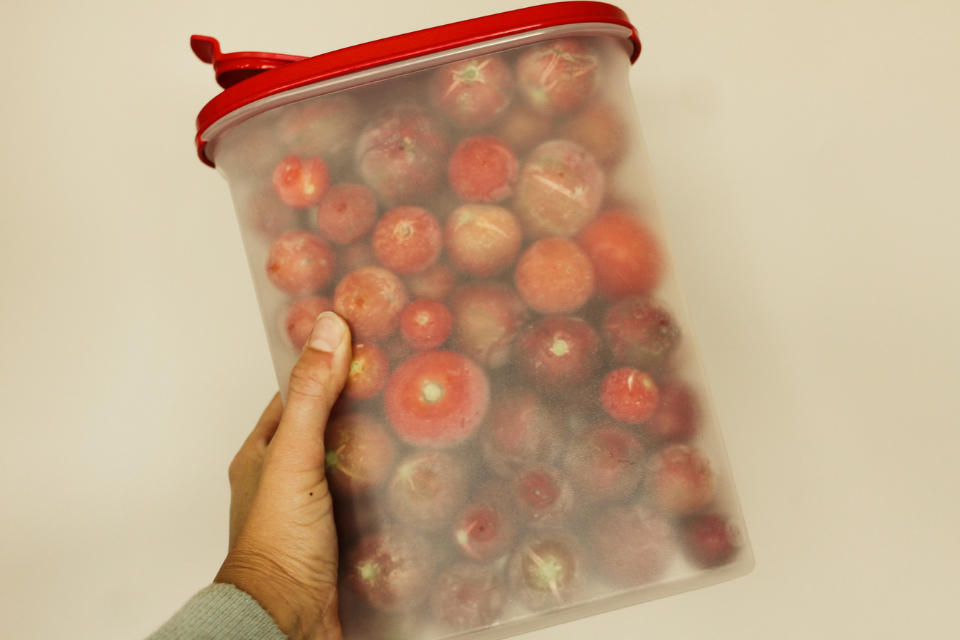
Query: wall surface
[807, 159]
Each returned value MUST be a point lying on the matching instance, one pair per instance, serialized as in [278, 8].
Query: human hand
[283, 544]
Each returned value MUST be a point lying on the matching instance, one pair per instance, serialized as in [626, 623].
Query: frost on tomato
[370, 299]
[554, 276]
[641, 333]
[482, 240]
[521, 431]
[325, 127]
[298, 319]
[681, 481]
[300, 263]
[601, 130]
[631, 545]
[558, 352]
[390, 571]
[436, 398]
[407, 239]
[605, 462]
[427, 489]
[359, 454]
[483, 169]
[543, 495]
[467, 596]
[558, 76]
[559, 190]
[486, 318]
[402, 156]
[473, 92]
[346, 213]
[624, 253]
[301, 182]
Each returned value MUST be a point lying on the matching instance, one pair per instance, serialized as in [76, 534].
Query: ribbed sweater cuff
[220, 612]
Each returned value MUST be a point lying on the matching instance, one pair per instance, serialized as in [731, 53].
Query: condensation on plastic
[248, 150]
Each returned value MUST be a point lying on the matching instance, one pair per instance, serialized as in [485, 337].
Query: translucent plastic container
[526, 436]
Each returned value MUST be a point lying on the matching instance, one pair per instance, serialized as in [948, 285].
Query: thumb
[315, 382]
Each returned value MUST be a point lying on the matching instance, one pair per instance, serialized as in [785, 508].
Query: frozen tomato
[425, 324]
[600, 129]
[554, 276]
[484, 530]
[427, 489]
[368, 372]
[467, 596]
[681, 481]
[473, 92]
[325, 126]
[523, 128]
[709, 540]
[544, 571]
[629, 395]
[298, 319]
[483, 169]
[407, 239]
[434, 283]
[391, 572]
[482, 239]
[370, 299]
[604, 462]
[267, 215]
[543, 495]
[346, 213]
[678, 413]
[624, 253]
[359, 454]
[436, 398]
[402, 156]
[558, 352]
[521, 431]
[558, 76]
[301, 182]
[300, 262]
[641, 333]
[486, 318]
[559, 190]
[631, 545]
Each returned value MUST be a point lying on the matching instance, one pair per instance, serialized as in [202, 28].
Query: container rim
[397, 55]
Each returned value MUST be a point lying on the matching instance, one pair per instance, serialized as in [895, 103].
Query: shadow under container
[526, 437]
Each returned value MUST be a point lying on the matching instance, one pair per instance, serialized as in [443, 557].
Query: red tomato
[605, 462]
[681, 480]
[468, 596]
[301, 182]
[436, 398]
[629, 395]
[425, 324]
[710, 540]
[624, 253]
[368, 372]
[554, 276]
[300, 263]
[482, 239]
[632, 545]
[483, 169]
[346, 213]
[407, 239]
[391, 572]
[359, 454]
[558, 76]
[370, 299]
[435, 283]
[473, 92]
[558, 352]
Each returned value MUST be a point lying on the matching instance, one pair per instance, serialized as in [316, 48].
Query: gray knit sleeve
[220, 612]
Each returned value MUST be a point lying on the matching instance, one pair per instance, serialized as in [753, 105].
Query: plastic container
[527, 436]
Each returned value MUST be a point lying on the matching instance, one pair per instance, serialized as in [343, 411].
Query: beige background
[808, 157]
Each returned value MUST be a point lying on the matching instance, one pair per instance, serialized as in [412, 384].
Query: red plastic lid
[250, 77]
